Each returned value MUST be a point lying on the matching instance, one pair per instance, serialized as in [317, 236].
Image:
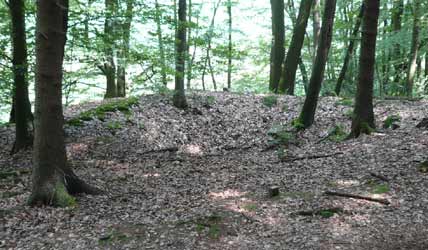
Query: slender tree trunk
[316, 24]
[158, 18]
[189, 41]
[308, 112]
[397, 13]
[192, 59]
[21, 102]
[302, 66]
[109, 67]
[53, 179]
[411, 74]
[208, 52]
[179, 98]
[349, 51]
[363, 119]
[124, 50]
[288, 76]
[278, 43]
[229, 55]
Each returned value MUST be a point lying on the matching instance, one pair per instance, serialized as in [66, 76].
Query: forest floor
[199, 179]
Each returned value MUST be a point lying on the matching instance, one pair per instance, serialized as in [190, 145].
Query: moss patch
[423, 167]
[123, 105]
[337, 133]
[391, 121]
[380, 189]
[62, 198]
[345, 102]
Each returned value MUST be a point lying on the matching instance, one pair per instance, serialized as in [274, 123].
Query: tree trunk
[363, 119]
[316, 24]
[349, 51]
[208, 52]
[179, 98]
[229, 54]
[53, 179]
[158, 18]
[309, 108]
[288, 76]
[192, 59]
[278, 41]
[414, 49]
[397, 13]
[109, 68]
[189, 40]
[22, 107]
[124, 49]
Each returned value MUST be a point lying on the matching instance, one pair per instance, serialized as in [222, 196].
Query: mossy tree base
[52, 193]
[359, 128]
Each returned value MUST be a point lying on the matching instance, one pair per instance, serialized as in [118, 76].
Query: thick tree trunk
[288, 76]
[124, 50]
[53, 180]
[278, 43]
[349, 51]
[179, 98]
[109, 68]
[363, 119]
[411, 73]
[22, 108]
[229, 54]
[158, 18]
[308, 112]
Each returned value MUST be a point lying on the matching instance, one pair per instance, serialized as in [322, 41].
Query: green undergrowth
[337, 133]
[279, 136]
[62, 198]
[270, 101]
[210, 226]
[423, 167]
[391, 121]
[345, 102]
[298, 124]
[123, 105]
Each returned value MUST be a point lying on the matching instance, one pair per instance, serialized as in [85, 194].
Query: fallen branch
[334, 210]
[380, 177]
[359, 197]
[311, 157]
[162, 150]
[14, 174]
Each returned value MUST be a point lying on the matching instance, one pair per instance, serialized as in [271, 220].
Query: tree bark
[53, 179]
[278, 43]
[308, 112]
[109, 67]
[363, 119]
[230, 49]
[179, 98]
[158, 18]
[123, 53]
[316, 24]
[411, 74]
[397, 13]
[288, 75]
[349, 51]
[21, 103]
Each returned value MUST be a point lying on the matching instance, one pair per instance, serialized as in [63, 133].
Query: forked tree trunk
[349, 51]
[53, 179]
[363, 118]
[308, 112]
[179, 98]
[288, 76]
[413, 64]
[22, 108]
[278, 47]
